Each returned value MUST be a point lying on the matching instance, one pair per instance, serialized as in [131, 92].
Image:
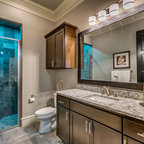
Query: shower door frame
[19, 107]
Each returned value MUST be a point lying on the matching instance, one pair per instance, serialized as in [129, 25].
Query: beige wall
[88, 39]
[79, 17]
[36, 79]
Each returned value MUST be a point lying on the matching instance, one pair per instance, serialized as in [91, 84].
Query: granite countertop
[125, 106]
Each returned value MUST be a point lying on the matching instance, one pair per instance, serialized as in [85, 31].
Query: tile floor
[8, 121]
[29, 135]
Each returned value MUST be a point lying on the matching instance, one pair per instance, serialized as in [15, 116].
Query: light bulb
[114, 9]
[127, 4]
[92, 20]
[102, 15]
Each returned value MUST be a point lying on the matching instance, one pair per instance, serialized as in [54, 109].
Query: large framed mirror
[112, 53]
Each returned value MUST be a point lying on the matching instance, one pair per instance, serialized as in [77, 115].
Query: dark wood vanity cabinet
[63, 124]
[63, 119]
[86, 131]
[104, 135]
[78, 129]
[61, 47]
[134, 130]
[79, 123]
[130, 141]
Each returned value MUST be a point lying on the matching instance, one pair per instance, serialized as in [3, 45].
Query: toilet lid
[46, 111]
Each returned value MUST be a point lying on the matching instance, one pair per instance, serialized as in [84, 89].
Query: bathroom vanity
[83, 120]
[111, 54]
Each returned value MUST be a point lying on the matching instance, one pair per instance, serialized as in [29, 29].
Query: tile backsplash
[127, 93]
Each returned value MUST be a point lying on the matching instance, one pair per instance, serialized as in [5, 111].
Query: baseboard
[27, 121]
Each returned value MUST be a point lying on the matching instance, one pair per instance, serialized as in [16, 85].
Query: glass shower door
[8, 83]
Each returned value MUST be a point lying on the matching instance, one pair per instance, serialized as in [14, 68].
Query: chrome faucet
[107, 89]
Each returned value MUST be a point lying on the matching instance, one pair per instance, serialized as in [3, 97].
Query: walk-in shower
[10, 42]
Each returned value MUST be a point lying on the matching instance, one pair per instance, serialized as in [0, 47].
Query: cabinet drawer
[134, 130]
[63, 101]
[108, 119]
[130, 141]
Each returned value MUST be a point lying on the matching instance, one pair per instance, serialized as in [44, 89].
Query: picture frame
[121, 60]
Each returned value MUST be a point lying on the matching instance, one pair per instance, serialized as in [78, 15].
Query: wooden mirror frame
[136, 86]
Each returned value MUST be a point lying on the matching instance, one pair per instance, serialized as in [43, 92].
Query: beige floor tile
[28, 136]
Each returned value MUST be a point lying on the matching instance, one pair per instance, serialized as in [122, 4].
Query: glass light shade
[92, 20]
[102, 15]
[127, 4]
[114, 9]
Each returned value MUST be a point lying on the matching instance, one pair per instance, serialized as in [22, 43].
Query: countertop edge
[106, 109]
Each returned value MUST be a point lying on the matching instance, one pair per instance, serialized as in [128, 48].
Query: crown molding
[41, 11]
[65, 7]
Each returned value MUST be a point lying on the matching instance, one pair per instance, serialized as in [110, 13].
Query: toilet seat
[45, 112]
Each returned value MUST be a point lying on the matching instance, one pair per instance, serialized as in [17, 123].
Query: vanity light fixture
[92, 20]
[114, 9]
[102, 15]
[127, 4]
[111, 11]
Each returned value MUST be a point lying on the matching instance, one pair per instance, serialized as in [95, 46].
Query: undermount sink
[102, 99]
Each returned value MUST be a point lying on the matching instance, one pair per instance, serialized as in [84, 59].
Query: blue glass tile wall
[9, 74]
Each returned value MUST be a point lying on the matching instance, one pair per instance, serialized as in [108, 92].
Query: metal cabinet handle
[60, 102]
[67, 115]
[125, 142]
[86, 126]
[52, 63]
[90, 128]
[140, 134]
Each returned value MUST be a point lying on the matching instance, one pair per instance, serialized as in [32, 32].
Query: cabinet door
[70, 47]
[103, 135]
[59, 38]
[50, 52]
[130, 141]
[78, 129]
[63, 124]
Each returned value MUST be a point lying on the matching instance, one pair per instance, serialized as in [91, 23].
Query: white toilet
[47, 117]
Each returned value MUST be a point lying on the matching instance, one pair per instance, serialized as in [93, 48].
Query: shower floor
[8, 121]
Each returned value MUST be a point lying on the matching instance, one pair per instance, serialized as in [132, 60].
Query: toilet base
[47, 125]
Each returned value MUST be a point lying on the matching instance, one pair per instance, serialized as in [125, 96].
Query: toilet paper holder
[32, 99]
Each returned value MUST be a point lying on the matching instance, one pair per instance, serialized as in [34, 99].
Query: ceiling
[51, 10]
[50, 4]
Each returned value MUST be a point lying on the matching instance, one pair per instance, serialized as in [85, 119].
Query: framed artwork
[121, 60]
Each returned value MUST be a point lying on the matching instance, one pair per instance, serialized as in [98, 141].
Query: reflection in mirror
[111, 53]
